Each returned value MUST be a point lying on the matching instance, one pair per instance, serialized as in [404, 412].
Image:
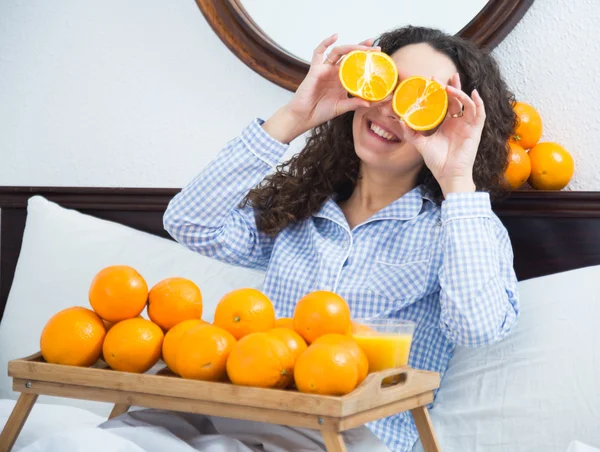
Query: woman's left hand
[450, 152]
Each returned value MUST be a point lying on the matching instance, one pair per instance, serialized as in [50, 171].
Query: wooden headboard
[550, 231]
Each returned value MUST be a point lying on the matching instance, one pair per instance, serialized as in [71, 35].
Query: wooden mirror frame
[234, 26]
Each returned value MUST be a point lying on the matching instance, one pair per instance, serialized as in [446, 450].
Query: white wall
[144, 94]
[552, 60]
[118, 93]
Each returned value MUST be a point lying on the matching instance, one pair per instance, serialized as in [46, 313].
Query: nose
[385, 108]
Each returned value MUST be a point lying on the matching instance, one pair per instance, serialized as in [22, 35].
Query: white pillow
[62, 251]
[539, 389]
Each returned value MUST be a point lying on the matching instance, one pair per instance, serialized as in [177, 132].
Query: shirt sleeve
[205, 215]
[479, 294]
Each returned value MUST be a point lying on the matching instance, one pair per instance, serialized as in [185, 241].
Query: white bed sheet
[65, 428]
[47, 419]
[70, 429]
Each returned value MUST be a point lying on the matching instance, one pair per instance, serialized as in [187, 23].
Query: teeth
[382, 133]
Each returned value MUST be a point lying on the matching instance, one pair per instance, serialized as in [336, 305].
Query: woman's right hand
[320, 97]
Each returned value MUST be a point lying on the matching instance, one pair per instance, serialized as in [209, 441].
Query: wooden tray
[160, 388]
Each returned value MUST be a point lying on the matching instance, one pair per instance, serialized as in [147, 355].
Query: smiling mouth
[380, 133]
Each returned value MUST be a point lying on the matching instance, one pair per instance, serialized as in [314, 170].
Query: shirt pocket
[402, 280]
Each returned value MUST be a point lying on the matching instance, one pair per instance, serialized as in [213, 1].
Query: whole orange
[244, 311]
[133, 345]
[174, 300]
[172, 339]
[519, 167]
[261, 360]
[327, 370]
[529, 125]
[552, 166]
[284, 322]
[73, 337]
[117, 293]
[293, 340]
[362, 362]
[319, 313]
[202, 353]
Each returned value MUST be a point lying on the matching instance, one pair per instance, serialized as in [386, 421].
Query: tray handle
[375, 384]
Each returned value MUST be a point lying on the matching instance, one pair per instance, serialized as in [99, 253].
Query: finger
[435, 79]
[338, 52]
[470, 111]
[454, 105]
[409, 135]
[322, 47]
[369, 42]
[455, 81]
[351, 104]
[480, 116]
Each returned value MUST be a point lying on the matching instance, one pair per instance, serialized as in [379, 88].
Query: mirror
[276, 38]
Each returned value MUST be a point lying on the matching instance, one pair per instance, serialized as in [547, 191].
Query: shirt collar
[404, 208]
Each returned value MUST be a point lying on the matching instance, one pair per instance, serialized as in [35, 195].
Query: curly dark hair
[328, 164]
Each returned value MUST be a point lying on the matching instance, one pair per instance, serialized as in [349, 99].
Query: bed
[537, 390]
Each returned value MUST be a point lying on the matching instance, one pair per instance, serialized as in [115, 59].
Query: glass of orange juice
[386, 342]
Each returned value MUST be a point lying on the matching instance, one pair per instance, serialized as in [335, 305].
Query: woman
[398, 223]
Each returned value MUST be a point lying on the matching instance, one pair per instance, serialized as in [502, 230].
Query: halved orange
[422, 103]
[370, 75]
